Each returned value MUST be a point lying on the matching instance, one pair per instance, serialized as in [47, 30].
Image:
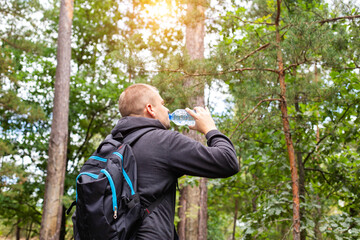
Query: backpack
[107, 204]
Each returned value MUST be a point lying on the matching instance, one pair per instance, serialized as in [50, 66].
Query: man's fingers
[191, 112]
[192, 127]
[207, 109]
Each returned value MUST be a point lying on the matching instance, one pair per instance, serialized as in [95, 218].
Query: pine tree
[271, 46]
[56, 167]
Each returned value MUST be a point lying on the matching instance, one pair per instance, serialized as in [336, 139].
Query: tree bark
[287, 132]
[203, 210]
[182, 213]
[235, 217]
[301, 190]
[28, 232]
[18, 229]
[192, 213]
[63, 224]
[301, 169]
[54, 185]
[318, 214]
[194, 225]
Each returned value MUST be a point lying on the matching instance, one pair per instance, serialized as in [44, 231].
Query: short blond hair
[133, 99]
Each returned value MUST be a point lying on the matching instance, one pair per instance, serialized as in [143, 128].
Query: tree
[20, 44]
[16, 46]
[303, 40]
[319, 48]
[56, 167]
[193, 199]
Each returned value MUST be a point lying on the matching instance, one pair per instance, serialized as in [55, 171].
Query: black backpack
[107, 204]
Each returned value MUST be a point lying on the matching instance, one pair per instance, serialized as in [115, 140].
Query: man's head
[143, 100]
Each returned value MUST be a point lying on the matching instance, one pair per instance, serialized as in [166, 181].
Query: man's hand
[203, 120]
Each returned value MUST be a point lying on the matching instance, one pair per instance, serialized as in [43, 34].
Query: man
[163, 156]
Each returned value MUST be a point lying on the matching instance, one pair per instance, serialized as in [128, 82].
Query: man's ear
[149, 111]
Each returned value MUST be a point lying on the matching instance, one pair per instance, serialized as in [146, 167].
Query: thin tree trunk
[287, 132]
[63, 225]
[203, 210]
[54, 185]
[317, 218]
[192, 213]
[195, 221]
[235, 217]
[301, 191]
[18, 229]
[318, 212]
[28, 232]
[301, 168]
[182, 213]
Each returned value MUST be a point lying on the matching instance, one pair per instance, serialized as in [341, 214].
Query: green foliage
[18, 197]
[116, 44]
[325, 99]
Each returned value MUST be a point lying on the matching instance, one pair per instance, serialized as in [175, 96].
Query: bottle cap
[170, 116]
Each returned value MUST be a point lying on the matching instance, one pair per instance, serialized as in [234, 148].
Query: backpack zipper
[127, 179]
[112, 187]
[113, 190]
[88, 174]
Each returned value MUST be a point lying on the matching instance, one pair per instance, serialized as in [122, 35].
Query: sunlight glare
[160, 9]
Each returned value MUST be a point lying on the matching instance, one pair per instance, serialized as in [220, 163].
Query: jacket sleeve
[187, 156]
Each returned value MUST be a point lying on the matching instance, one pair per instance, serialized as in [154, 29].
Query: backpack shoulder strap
[152, 206]
[109, 139]
[130, 139]
[134, 136]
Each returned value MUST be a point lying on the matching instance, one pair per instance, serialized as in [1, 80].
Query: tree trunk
[301, 191]
[63, 224]
[192, 213]
[317, 218]
[235, 217]
[318, 212]
[18, 229]
[287, 132]
[194, 225]
[182, 213]
[203, 210]
[54, 185]
[301, 168]
[28, 232]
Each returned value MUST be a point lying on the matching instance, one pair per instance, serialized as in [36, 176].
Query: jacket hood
[127, 125]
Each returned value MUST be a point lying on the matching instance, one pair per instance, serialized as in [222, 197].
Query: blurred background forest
[280, 77]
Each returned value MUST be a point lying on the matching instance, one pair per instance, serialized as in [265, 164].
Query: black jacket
[162, 157]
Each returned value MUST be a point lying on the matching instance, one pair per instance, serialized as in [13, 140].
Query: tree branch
[252, 111]
[262, 23]
[86, 136]
[338, 18]
[277, 19]
[317, 144]
[299, 63]
[322, 173]
[253, 52]
[251, 69]
[14, 45]
[321, 139]
[217, 73]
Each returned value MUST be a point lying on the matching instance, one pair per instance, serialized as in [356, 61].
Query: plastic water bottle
[181, 117]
